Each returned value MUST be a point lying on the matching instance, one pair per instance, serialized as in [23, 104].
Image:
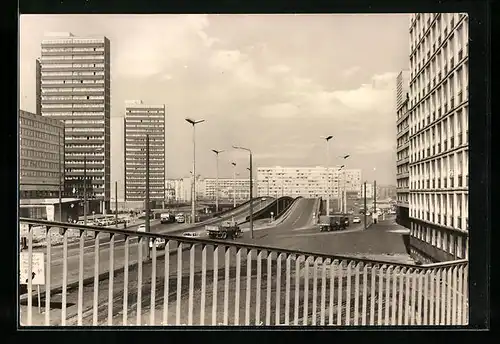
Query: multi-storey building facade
[38, 85]
[41, 156]
[308, 182]
[229, 188]
[402, 150]
[174, 189]
[75, 88]
[438, 106]
[141, 120]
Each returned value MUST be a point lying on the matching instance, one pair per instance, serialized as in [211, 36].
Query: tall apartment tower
[141, 120]
[438, 105]
[75, 88]
[402, 150]
[38, 92]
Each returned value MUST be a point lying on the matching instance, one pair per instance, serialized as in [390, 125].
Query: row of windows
[71, 57]
[70, 106]
[72, 97]
[63, 114]
[39, 135]
[457, 38]
[447, 241]
[69, 73]
[73, 65]
[40, 163]
[39, 145]
[73, 41]
[447, 210]
[74, 81]
[453, 86]
[451, 166]
[440, 130]
[55, 50]
[40, 125]
[73, 90]
[35, 173]
[89, 169]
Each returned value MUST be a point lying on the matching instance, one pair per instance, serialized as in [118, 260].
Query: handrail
[258, 248]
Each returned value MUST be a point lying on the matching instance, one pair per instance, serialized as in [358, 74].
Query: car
[179, 218]
[191, 234]
[356, 219]
[141, 228]
[158, 242]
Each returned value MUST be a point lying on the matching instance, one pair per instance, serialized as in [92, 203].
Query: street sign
[37, 268]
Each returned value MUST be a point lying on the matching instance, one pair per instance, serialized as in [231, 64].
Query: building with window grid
[141, 120]
[438, 112]
[41, 156]
[402, 150]
[308, 182]
[75, 88]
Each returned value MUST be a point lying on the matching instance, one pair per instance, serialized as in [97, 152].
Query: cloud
[375, 145]
[280, 110]
[351, 71]
[279, 69]
[154, 44]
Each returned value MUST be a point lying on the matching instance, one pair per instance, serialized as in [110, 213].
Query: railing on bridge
[210, 282]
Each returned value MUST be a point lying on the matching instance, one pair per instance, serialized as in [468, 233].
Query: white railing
[211, 282]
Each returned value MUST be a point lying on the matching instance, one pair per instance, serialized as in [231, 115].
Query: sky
[273, 83]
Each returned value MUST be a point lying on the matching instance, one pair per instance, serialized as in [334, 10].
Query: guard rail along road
[195, 281]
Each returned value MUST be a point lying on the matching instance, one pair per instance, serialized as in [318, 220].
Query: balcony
[428, 216]
[452, 142]
[452, 221]
[459, 222]
[428, 184]
[445, 182]
[433, 150]
[439, 183]
[452, 184]
[439, 148]
[460, 139]
[433, 183]
[459, 181]
[445, 145]
[439, 218]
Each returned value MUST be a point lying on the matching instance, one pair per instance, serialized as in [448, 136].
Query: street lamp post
[193, 199]
[217, 152]
[327, 140]
[339, 192]
[85, 190]
[234, 184]
[148, 228]
[60, 179]
[251, 187]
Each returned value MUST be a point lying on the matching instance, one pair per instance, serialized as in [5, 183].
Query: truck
[328, 223]
[227, 229]
[166, 218]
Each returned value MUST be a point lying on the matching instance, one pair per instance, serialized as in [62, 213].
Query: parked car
[356, 219]
[191, 234]
[142, 228]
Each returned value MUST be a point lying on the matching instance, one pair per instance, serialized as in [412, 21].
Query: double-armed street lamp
[193, 198]
[327, 140]
[217, 152]
[251, 187]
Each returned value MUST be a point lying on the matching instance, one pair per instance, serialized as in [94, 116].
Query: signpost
[37, 271]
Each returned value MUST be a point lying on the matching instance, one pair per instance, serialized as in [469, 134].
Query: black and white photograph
[243, 170]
